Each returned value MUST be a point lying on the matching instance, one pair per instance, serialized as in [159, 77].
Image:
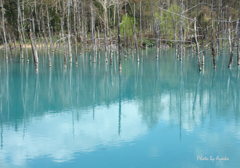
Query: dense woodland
[128, 26]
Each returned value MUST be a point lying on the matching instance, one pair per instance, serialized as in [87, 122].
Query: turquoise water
[155, 113]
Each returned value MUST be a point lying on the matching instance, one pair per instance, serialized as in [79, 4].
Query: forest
[127, 26]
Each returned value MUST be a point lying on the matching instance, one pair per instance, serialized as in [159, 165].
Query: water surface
[155, 113]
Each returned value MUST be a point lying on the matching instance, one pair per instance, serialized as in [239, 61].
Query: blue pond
[155, 113]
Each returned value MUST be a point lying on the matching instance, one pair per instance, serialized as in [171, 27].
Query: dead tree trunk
[233, 44]
[202, 30]
[119, 40]
[69, 34]
[238, 52]
[197, 46]
[124, 41]
[181, 30]
[174, 29]
[33, 51]
[229, 36]
[10, 47]
[4, 33]
[74, 27]
[155, 30]
[203, 52]
[45, 38]
[62, 11]
[105, 34]
[21, 20]
[135, 36]
[93, 32]
[213, 50]
[111, 51]
[140, 26]
[49, 29]
[20, 37]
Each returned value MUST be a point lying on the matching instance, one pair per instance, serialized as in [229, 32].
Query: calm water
[156, 113]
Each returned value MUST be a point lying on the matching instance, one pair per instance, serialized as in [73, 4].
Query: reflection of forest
[164, 89]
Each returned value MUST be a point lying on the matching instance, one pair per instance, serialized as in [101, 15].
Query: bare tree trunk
[181, 30]
[105, 34]
[238, 52]
[202, 30]
[114, 16]
[93, 32]
[119, 40]
[21, 19]
[20, 37]
[213, 50]
[14, 42]
[33, 51]
[74, 27]
[111, 51]
[135, 36]
[217, 28]
[197, 46]
[124, 41]
[34, 42]
[140, 26]
[233, 44]
[225, 31]
[85, 26]
[4, 33]
[203, 52]
[49, 29]
[105, 44]
[62, 11]
[98, 39]
[174, 29]
[10, 47]
[45, 38]
[79, 27]
[69, 34]
[155, 30]
[229, 36]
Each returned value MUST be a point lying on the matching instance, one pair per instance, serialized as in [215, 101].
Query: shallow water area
[154, 113]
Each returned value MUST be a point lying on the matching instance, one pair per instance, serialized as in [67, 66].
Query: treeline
[125, 24]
